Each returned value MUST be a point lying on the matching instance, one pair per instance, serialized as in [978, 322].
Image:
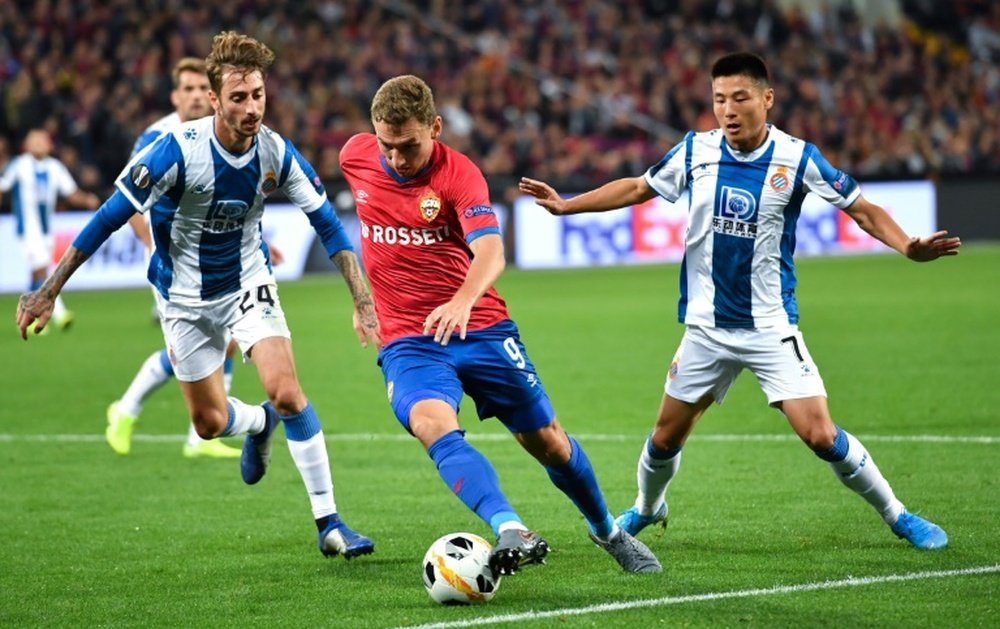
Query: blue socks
[471, 477]
[839, 450]
[576, 479]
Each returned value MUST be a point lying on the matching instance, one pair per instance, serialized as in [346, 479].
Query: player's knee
[819, 436]
[287, 398]
[208, 422]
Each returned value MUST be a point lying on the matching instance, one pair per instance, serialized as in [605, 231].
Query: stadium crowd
[572, 91]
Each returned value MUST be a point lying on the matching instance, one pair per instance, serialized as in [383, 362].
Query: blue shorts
[490, 365]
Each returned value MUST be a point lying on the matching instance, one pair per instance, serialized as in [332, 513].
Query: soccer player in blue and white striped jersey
[204, 184]
[746, 182]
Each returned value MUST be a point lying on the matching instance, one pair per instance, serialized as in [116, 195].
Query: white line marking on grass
[401, 436]
[712, 596]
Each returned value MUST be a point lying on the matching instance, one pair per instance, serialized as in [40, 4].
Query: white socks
[314, 467]
[151, 376]
[655, 470]
[859, 472]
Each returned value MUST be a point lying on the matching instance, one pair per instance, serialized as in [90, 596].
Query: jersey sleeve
[153, 172]
[832, 185]
[299, 181]
[668, 177]
[471, 199]
[8, 176]
[65, 184]
[144, 140]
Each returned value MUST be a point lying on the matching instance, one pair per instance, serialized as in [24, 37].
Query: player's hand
[33, 307]
[932, 247]
[276, 256]
[446, 318]
[545, 195]
[366, 325]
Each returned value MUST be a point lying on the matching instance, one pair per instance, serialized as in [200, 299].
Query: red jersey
[415, 234]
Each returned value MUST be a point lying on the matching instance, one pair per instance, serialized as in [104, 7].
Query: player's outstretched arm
[876, 222]
[37, 305]
[611, 196]
[365, 321]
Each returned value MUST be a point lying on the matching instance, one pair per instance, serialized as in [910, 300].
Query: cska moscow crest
[430, 206]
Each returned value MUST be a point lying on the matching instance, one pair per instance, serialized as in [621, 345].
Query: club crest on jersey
[430, 206]
[779, 180]
[140, 176]
[270, 183]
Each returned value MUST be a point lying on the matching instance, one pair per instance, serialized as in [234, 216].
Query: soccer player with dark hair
[746, 182]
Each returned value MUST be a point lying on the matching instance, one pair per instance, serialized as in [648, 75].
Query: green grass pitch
[911, 358]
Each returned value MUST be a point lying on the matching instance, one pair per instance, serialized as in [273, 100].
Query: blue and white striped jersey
[205, 206]
[738, 270]
[154, 131]
[37, 185]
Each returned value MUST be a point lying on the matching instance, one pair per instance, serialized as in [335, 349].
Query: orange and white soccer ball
[457, 570]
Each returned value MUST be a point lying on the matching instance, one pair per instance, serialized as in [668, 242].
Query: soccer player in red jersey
[432, 249]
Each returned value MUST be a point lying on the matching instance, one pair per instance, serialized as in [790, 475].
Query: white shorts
[709, 360]
[37, 249]
[197, 336]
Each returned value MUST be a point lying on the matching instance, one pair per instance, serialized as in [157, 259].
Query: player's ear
[213, 100]
[436, 127]
[768, 98]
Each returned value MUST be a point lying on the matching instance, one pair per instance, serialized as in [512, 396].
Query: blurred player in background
[190, 100]
[747, 180]
[38, 180]
[204, 184]
[432, 249]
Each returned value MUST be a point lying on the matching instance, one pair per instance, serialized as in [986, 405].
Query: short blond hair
[234, 50]
[402, 98]
[187, 64]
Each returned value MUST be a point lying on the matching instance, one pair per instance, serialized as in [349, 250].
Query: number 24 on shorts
[263, 294]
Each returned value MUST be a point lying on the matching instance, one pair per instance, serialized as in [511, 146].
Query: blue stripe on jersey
[222, 236]
[840, 181]
[286, 162]
[42, 190]
[161, 219]
[482, 232]
[666, 158]
[306, 167]
[18, 208]
[787, 246]
[144, 140]
[737, 202]
[682, 304]
[140, 180]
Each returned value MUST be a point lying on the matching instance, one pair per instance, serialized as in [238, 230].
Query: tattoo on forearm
[351, 270]
[69, 263]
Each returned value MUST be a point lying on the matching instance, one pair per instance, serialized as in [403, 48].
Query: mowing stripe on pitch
[401, 436]
[712, 596]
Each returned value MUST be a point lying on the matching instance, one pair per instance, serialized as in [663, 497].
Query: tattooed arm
[365, 321]
[37, 305]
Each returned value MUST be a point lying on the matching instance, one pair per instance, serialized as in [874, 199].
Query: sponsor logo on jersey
[140, 176]
[737, 213]
[430, 206]
[478, 210]
[226, 216]
[361, 197]
[270, 183]
[403, 235]
[779, 180]
[190, 134]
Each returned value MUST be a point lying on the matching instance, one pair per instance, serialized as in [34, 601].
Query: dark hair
[742, 63]
[187, 64]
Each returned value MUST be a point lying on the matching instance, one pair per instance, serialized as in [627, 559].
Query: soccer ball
[457, 570]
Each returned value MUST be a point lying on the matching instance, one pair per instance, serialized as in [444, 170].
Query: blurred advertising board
[121, 261]
[654, 231]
